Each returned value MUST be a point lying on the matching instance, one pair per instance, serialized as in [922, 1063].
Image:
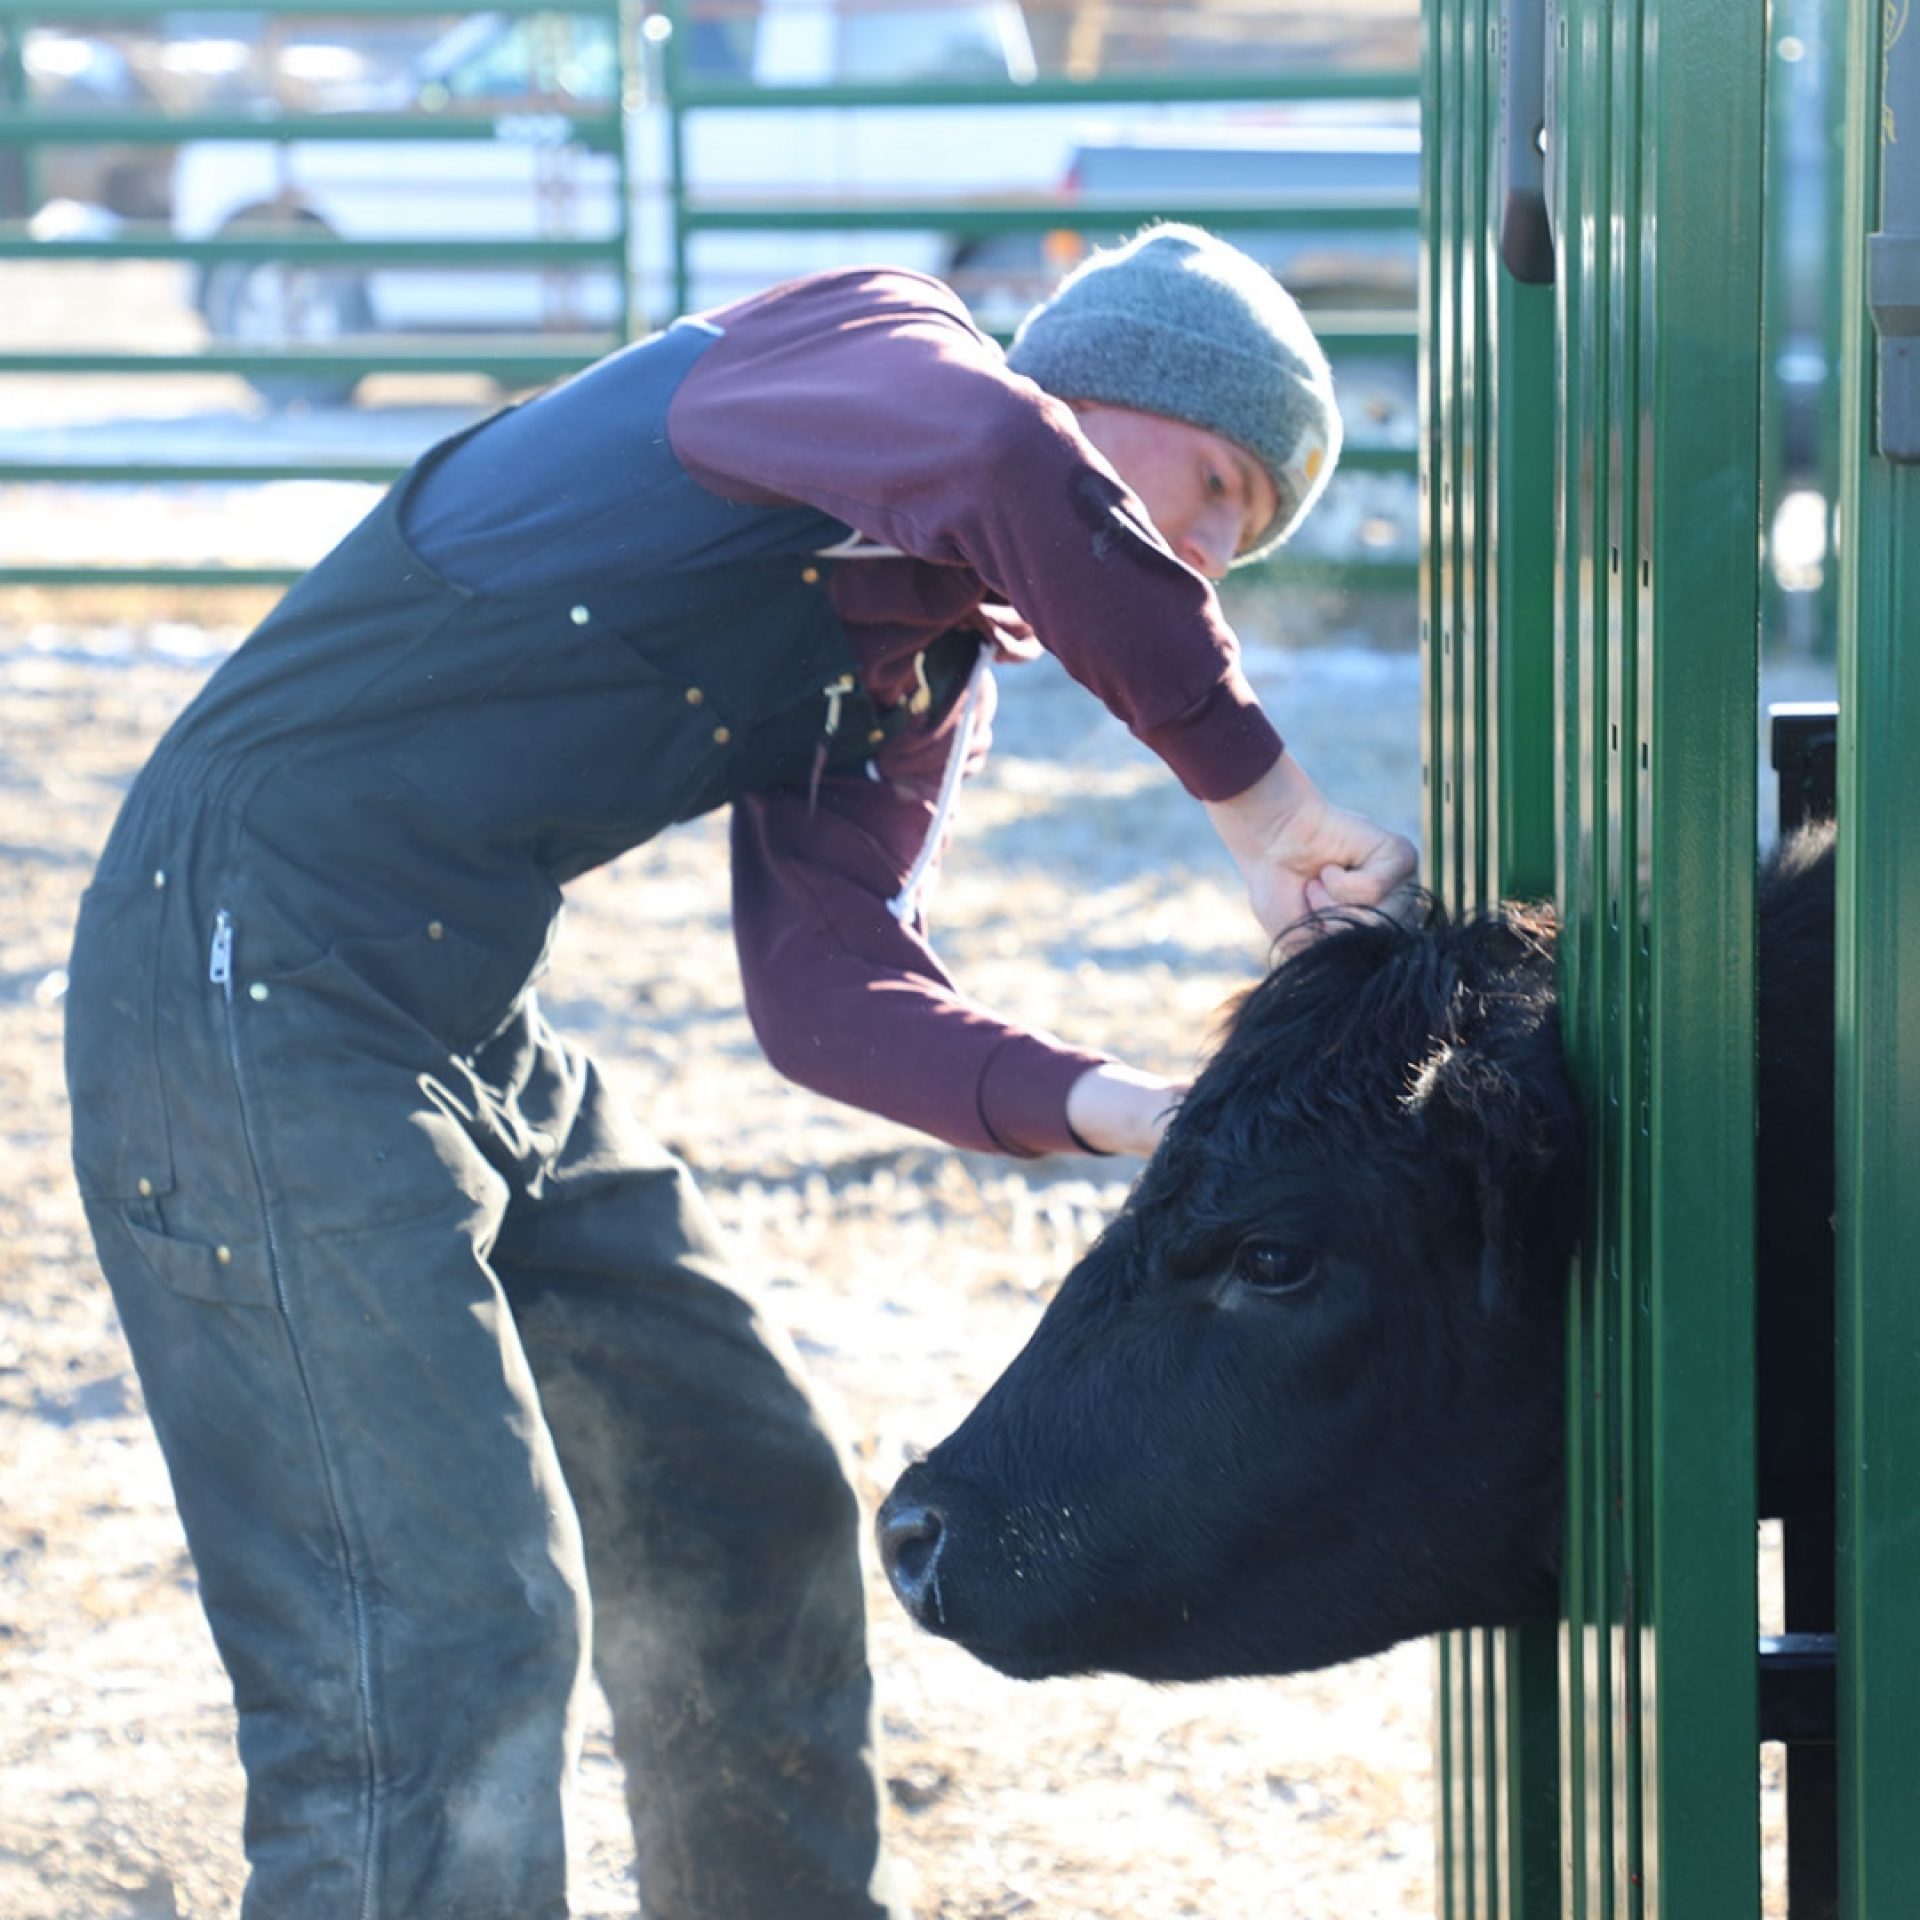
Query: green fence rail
[27, 130]
[659, 87]
[1097, 219]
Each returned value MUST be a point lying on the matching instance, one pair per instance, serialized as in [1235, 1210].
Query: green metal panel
[1486, 386]
[1661, 118]
[1621, 410]
[1878, 1063]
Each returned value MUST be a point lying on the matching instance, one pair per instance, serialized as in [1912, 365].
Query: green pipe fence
[667, 88]
[27, 130]
[1648, 633]
[1596, 462]
[1097, 219]
[1878, 1028]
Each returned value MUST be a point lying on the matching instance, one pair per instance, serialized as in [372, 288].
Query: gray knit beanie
[1179, 323]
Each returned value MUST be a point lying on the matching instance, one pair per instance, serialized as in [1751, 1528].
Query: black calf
[1303, 1399]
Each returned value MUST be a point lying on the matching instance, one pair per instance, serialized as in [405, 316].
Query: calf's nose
[912, 1533]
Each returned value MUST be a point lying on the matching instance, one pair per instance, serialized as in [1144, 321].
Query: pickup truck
[1289, 157]
[536, 178]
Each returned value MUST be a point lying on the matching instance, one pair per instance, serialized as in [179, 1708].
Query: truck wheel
[287, 303]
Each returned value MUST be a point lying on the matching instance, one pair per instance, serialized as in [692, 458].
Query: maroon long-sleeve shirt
[870, 395]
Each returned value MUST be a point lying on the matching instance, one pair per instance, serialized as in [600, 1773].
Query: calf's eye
[1272, 1266]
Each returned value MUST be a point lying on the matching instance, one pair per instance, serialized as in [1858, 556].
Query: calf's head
[1302, 1399]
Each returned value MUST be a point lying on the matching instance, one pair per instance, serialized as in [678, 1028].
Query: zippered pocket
[340, 1075]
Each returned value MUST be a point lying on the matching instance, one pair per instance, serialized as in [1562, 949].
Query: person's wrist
[1253, 822]
[1117, 1109]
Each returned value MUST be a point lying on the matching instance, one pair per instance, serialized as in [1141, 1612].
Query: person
[456, 1387]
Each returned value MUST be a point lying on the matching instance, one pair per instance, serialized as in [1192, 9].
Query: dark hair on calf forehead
[1345, 1033]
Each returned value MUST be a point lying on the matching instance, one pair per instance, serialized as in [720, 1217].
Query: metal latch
[1526, 221]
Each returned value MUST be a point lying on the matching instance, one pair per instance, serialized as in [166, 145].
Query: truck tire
[290, 304]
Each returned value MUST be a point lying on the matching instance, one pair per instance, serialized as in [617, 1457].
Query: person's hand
[1115, 1109]
[1299, 853]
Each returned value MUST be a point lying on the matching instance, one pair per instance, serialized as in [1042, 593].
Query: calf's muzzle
[912, 1534]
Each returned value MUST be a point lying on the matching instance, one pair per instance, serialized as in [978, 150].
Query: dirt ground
[1085, 895]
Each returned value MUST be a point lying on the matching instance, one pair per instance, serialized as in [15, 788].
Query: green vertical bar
[1627, 853]
[1478, 66]
[623, 21]
[1514, 813]
[1489, 1842]
[1435, 118]
[1701, 147]
[1439, 266]
[1835, 326]
[1585, 954]
[1463, 1770]
[15, 93]
[1521, 658]
[1445, 1705]
[1459, 136]
[1574, 868]
[1526, 1772]
[1457, 403]
[1444, 862]
[673, 70]
[1574, 1904]
[1878, 1035]
[1489, 750]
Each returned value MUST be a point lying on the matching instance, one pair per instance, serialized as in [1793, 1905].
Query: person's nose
[1207, 556]
[1210, 542]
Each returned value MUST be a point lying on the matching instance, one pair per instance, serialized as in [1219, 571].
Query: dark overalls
[440, 1348]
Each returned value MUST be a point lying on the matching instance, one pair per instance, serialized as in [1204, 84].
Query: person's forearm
[1253, 823]
[1117, 1109]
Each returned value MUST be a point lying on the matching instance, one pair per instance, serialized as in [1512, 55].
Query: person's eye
[1274, 1266]
[1215, 484]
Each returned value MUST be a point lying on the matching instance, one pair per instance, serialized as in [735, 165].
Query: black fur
[1303, 1399]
